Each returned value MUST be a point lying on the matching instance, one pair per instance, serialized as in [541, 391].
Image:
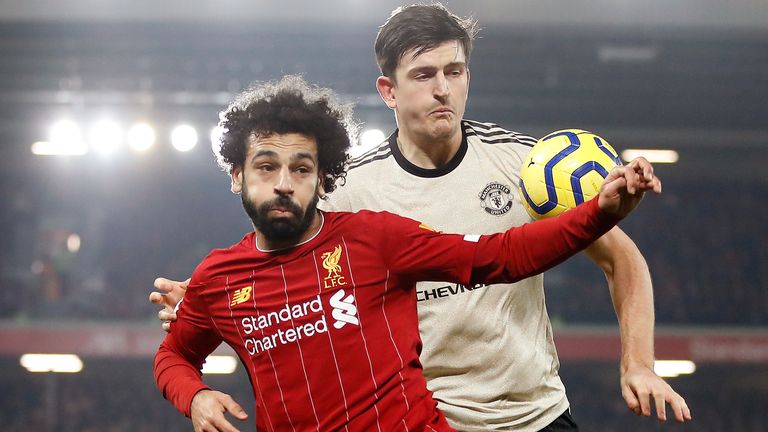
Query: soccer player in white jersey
[461, 176]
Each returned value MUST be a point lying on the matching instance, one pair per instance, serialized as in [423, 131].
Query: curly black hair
[289, 105]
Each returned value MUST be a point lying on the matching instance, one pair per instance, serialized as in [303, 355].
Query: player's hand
[170, 295]
[625, 185]
[208, 408]
[641, 387]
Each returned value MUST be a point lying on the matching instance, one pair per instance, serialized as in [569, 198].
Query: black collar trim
[428, 172]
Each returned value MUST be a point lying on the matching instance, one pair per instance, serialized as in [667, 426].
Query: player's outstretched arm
[171, 293]
[624, 187]
[208, 409]
[631, 290]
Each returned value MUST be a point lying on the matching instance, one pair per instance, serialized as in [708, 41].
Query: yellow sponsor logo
[242, 295]
[331, 264]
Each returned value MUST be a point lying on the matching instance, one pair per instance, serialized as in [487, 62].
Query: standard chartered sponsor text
[256, 340]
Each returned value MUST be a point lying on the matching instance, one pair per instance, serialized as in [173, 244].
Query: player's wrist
[628, 365]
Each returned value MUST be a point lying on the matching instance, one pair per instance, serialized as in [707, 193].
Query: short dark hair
[289, 105]
[418, 28]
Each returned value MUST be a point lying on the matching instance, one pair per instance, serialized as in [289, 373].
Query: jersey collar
[428, 172]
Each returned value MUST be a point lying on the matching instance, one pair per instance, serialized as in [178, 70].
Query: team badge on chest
[335, 277]
[496, 198]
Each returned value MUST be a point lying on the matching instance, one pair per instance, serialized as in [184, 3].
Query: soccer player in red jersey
[320, 306]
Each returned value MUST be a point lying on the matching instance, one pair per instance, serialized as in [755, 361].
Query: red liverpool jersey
[328, 330]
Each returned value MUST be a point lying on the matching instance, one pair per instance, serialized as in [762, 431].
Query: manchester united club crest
[496, 198]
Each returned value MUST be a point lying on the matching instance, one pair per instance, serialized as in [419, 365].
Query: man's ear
[386, 88]
[469, 76]
[321, 185]
[236, 174]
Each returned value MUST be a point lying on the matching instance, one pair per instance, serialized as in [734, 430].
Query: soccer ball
[564, 169]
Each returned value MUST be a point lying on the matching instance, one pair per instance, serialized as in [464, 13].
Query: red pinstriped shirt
[328, 330]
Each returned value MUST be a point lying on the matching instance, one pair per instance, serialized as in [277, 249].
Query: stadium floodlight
[184, 138]
[105, 136]
[216, 134]
[65, 139]
[673, 368]
[73, 243]
[65, 132]
[216, 364]
[653, 155]
[369, 139]
[62, 363]
[141, 137]
[47, 148]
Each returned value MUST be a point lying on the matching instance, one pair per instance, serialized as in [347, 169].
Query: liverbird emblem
[331, 262]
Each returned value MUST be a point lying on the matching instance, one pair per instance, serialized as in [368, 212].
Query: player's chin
[443, 128]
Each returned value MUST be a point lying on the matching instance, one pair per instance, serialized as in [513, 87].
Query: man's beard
[280, 229]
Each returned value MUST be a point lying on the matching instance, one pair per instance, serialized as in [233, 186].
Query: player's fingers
[627, 172]
[632, 403]
[614, 173]
[234, 408]
[156, 298]
[642, 167]
[168, 285]
[686, 411]
[222, 425]
[680, 408]
[656, 184]
[166, 326]
[645, 404]
[166, 314]
[661, 405]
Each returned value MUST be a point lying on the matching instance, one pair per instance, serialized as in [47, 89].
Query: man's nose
[441, 85]
[284, 183]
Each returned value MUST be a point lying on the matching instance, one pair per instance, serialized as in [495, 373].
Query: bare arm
[629, 282]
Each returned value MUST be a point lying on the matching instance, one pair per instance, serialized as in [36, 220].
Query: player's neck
[265, 244]
[426, 152]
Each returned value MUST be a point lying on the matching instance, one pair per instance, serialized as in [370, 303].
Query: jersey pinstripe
[488, 355]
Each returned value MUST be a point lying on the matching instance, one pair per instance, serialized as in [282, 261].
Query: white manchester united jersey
[488, 354]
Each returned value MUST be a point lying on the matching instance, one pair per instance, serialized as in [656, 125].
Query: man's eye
[265, 167]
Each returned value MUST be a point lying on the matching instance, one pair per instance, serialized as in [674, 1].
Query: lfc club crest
[496, 198]
[331, 264]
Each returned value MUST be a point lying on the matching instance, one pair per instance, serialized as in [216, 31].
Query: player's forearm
[533, 248]
[632, 295]
[177, 378]
[631, 291]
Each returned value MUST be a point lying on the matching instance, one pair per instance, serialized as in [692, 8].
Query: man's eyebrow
[302, 155]
[273, 154]
[434, 68]
[268, 153]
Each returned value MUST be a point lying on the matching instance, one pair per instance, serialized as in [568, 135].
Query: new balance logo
[344, 309]
[241, 296]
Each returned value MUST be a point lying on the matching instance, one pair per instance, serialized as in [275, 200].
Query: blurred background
[130, 90]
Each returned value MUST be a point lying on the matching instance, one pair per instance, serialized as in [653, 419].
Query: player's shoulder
[493, 134]
[218, 260]
[367, 220]
[335, 217]
[371, 158]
